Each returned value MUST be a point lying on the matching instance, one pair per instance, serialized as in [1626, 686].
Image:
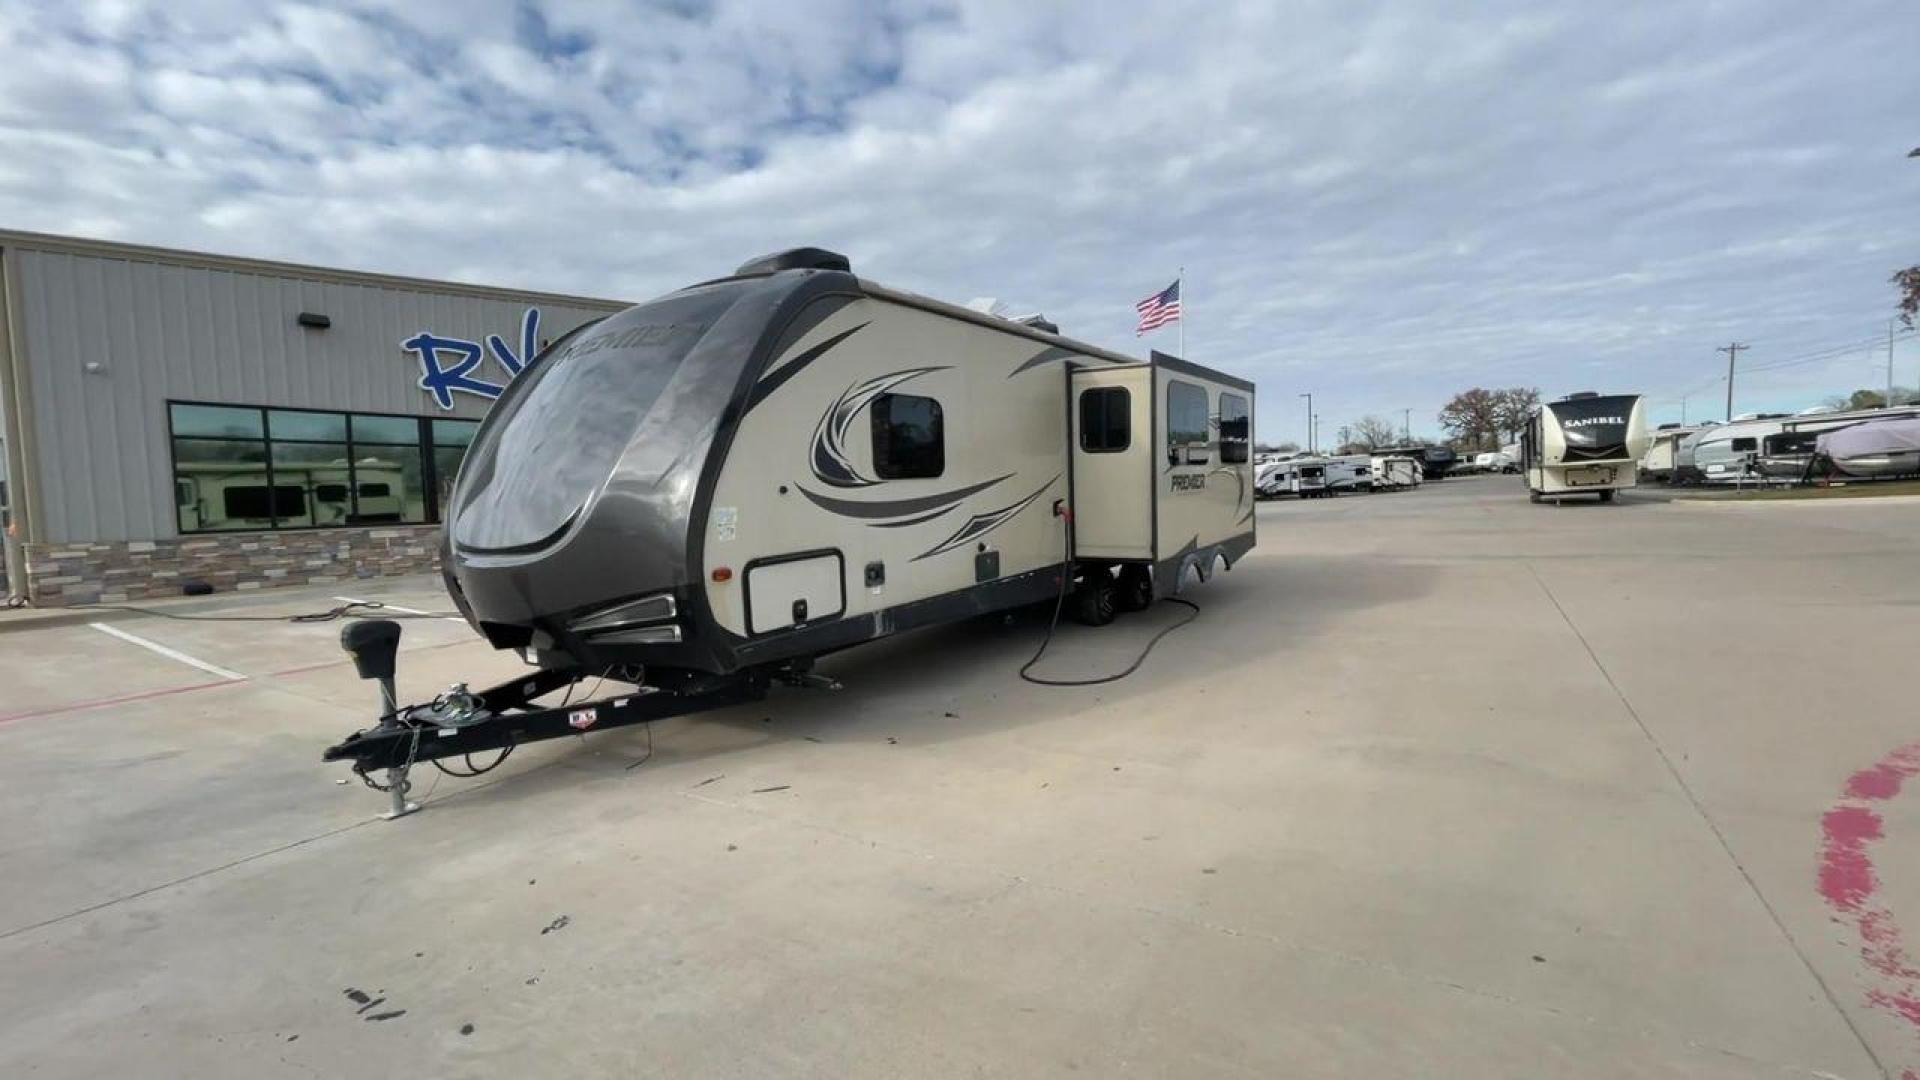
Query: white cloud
[1376, 204]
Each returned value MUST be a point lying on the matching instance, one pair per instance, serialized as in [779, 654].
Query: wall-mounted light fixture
[313, 320]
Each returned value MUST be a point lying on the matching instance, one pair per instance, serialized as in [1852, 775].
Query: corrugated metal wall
[162, 331]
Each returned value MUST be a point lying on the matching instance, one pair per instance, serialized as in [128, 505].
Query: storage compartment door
[788, 590]
[1112, 433]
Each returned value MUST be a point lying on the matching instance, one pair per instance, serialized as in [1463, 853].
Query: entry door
[1113, 462]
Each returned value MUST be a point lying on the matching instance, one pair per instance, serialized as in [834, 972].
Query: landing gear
[1096, 598]
[1135, 589]
[1533, 496]
[1607, 495]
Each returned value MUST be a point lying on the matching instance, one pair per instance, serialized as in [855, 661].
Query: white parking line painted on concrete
[171, 654]
[398, 608]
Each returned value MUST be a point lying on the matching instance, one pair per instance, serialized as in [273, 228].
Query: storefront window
[243, 468]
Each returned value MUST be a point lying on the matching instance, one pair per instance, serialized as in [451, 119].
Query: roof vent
[804, 258]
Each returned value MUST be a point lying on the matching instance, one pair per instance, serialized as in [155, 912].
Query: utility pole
[1406, 425]
[1344, 440]
[1732, 350]
[1683, 410]
[1890, 363]
[1313, 434]
[1309, 398]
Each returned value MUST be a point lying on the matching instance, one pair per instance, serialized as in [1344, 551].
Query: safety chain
[403, 783]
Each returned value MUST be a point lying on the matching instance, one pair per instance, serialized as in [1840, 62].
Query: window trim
[1126, 418]
[423, 445]
[874, 428]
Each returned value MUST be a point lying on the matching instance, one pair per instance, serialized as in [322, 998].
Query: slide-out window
[908, 437]
[1106, 419]
[1236, 429]
[1187, 423]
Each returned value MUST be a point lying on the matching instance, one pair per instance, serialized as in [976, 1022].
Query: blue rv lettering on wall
[447, 364]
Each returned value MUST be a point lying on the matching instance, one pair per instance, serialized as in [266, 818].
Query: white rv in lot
[1349, 472]
[1394, 472]
[1584, 443]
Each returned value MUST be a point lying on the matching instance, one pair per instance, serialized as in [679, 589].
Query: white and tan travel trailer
[1303, 475]
[1662, 458]
[1584, 443]
[707, 491]
[1349, 472]
[1394, 472]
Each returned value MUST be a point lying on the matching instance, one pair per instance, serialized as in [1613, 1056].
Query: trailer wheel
[1135, 590]
[1095, 601]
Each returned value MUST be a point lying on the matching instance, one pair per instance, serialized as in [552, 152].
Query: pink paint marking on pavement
[99, 703]
[1849, 883]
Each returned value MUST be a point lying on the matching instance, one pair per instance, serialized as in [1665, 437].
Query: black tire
[1533, 496]
[1607, 495]
[1095, 600]
[1134, 592]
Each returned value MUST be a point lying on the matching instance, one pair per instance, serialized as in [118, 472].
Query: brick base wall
[62, 574]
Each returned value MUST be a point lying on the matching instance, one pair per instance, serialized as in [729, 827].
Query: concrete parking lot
[1440, 783]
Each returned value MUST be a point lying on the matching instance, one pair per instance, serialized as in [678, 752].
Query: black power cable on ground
[1060, 601]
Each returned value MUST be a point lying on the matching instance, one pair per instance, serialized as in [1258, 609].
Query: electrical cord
[1060, 602]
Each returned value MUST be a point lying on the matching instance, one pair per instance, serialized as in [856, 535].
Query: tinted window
[1187, 423]
[560, 429]
[908, 440]
[1743, 446]
[216, 422]
[251, 501]
[454, 432]
[317, 426]
[1106, 419]
[1236, 429]
[399, 430]
[376, 491]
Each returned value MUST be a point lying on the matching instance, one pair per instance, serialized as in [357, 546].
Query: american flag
[1159, 309]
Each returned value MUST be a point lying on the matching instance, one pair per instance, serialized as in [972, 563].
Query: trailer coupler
[463, 722]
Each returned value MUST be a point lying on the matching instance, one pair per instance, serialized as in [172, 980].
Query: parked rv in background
[1301, 476]
[1730, 453]
[1584, 443]
[1395, 472]
[1662, 458]
[1350, 473]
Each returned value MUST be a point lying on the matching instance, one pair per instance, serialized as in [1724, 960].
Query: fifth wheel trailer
[1584, 443]
[705, 492]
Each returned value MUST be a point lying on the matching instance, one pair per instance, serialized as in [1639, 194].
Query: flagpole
[1181, 277]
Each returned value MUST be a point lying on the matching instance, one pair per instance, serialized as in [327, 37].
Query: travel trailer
[1873, 450]
[1302, 476]
[1349, 472]
[702, 494]
[1584, 443]
[1494, 461]
[1663, 451]
[1792, 453]
[1394, 472]
[1730, 453]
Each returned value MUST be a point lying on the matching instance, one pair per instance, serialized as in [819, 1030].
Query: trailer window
[908, 440]
[1187, 422]
[1106, 419]
[1236, 429]
[1744, 446]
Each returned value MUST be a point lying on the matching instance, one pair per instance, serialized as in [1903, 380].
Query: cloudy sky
[1377, 204]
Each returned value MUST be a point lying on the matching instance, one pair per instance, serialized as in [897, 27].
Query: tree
[1374, 432]
[1908, 282]
[1473, 418]
[1870, 399]
[1512, 408]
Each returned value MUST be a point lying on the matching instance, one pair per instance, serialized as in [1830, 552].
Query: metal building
[169, 418]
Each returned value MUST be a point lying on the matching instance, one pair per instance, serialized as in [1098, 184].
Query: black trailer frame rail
[500, 718]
